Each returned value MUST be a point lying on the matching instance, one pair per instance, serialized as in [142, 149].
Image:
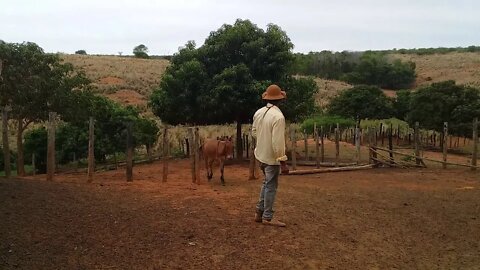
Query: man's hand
[284, 167]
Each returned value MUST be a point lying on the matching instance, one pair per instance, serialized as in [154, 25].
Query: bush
[83, 52]
[36, 143]
[361, 101]
[327, 121]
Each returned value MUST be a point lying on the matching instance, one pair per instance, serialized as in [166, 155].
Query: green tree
[222, 81]
[82, 52]
[34, 84]
[445, 102]
[363, 101]
[141, 51]
[401, 105]
[374, 69]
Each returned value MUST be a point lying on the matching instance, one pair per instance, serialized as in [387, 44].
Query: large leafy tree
[222, 81]
[445, 102]
[140, 51]
[34, 84]
[361, 101]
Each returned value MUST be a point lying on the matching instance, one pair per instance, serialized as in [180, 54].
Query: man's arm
[278, 139]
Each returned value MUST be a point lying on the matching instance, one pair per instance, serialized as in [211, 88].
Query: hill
[127, 80]
[131, 80]
[463, 67]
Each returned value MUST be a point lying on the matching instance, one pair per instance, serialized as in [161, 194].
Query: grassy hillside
[131, 80]
[124, 79]
[464, 68]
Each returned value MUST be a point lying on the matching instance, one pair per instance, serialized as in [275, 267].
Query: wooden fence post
[91, 150]
[416, 142]
[322, 146]
[129, 152]
[445, 146]
[191, 147]
[165, 155]
[475, 143]
[197, 155]
[51, 146]
[252, 158]
[337, 145]
[357, 143]
[294, 150]
[305, 141]
[34, 168]
[6, 145]
[390, 143]
[317, 147]
[374, 146]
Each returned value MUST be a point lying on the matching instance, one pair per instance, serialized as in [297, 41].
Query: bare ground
[375, 219]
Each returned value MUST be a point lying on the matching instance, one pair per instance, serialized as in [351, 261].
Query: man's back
[269, 129]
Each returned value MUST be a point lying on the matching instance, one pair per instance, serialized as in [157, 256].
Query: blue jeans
[269, 189]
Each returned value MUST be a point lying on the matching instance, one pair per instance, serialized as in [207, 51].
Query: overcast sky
[112, 26]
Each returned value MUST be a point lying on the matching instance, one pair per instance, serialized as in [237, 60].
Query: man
[269, 129]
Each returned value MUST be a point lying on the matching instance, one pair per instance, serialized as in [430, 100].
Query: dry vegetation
[124, 79]
[464, 68]
[130, 80]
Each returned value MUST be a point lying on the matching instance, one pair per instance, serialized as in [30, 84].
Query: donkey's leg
[222, 165]
[209, 169]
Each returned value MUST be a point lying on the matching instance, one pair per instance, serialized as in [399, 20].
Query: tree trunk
[20, 155]
[239, 141]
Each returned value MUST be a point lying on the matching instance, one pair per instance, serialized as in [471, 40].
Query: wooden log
[91, 150]
[165, 155]
[390, 161]
[323, 164]
[428, 159]
[326, 170]
[294, 148]
[475, 143]
[389, 164]
[445, 136]
[129, 169]
[6, 144]
[51, 146]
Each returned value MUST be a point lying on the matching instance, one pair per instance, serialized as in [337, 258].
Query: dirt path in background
[375, 219]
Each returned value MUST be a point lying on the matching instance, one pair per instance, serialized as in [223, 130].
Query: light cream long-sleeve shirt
[269, 130]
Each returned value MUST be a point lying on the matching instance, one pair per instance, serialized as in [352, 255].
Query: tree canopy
[361, 101]
[140, 51]
[35, 83]
[445, 102]
[222, 81]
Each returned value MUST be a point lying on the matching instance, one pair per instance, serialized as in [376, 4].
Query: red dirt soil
[375, 219]
[111, 81]
[128, 97]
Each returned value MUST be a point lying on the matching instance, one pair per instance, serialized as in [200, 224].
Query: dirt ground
[374, 219]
